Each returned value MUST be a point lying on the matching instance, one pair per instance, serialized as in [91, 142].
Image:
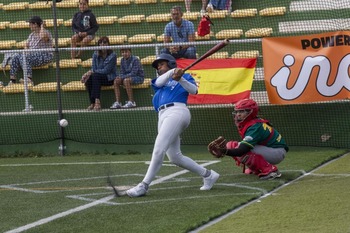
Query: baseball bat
[211, 51]
[111, 184]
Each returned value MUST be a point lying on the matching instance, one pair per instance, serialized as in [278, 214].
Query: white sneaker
[137, 191]
[210, 180]
[202, 13]
[129, 104]
[116, 105]
[210, 8]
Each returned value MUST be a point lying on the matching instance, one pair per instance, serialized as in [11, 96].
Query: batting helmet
[164, 57]
[248, 105]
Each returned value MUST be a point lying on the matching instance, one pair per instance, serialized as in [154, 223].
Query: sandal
[97, 107]
[91, 107]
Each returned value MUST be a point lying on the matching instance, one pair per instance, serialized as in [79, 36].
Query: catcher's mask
[247, 105]
[164, 57]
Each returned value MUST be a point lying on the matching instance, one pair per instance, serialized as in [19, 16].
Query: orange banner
[221, 80]
[305, 69]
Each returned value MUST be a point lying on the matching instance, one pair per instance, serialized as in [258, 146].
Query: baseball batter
[172, 88]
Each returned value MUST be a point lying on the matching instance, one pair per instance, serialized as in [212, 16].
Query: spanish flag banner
[221, 81]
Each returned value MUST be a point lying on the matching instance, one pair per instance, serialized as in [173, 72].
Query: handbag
[204, 26]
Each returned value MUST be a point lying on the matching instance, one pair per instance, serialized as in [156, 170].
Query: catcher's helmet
[249, 105]
[165, 57]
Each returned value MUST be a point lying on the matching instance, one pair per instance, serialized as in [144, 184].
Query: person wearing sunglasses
[177, 31]
[102, 73]
[261, 147]
[84, 26]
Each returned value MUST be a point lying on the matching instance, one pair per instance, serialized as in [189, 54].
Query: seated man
[179, 30]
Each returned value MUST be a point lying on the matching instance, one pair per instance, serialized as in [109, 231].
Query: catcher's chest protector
[204, 26]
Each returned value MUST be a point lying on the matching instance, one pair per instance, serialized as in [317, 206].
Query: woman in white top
[40, 38]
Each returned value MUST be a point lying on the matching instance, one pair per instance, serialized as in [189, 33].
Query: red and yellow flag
[221, 81]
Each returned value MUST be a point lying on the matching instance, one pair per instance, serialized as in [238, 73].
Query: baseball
[63, 122]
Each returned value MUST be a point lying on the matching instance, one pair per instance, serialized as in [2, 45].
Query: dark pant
[93, 86]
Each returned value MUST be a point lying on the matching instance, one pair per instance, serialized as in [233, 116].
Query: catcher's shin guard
[234, 145]
[257, 164]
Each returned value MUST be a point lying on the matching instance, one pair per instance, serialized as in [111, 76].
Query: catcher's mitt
[218, 147]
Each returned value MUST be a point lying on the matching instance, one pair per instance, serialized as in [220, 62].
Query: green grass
[48, 185]
[318, 203]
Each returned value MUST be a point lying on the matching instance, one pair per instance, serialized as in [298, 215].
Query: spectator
[171, 88]
[84, 26]
[261, 147]
[39, 38]
[131, 72]
[102, 73]
[203, 10]
[218, 5]
[179, 30]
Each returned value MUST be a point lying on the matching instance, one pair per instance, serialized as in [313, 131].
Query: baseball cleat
[271, 175]
[137, 191]
[210, 180]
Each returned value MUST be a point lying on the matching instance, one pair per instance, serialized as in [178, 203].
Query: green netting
[31, 116]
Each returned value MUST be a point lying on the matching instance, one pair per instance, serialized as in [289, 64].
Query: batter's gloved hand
[178, 74]
[218, 147]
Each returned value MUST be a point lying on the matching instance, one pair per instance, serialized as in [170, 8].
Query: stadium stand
[140, 25]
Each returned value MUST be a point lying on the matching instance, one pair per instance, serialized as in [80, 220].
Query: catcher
[261, 148]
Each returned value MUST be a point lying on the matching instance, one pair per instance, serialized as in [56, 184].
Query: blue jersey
[171, 92]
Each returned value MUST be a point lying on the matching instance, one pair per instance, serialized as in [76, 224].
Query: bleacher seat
[6, 68]
[40, 5]
[94, 3]
[68, 23]
[246, 54]
[45, 87]
[272, 11]
[1, 5]
[15, 88]
[160, 38]
[79, 86]
[118, 2]
[131, 19]
[21, 44]
[218, 14]
[106, 20]
[206, 37]
[142, 38]
[191, 15]
[145, 1]
[229, 34]
[7, 44]
[4, 24]
[19, 25]
[258, 32]
[50, 22]
[67, 4]
[74, 86]
[68, 63]
[148, 60]
[87, 63]
[172, 0]
[158, 18]
[15, 6]
[241, 13]
[117, 39]
[218, 55]
[63, 42]
[44, 67]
